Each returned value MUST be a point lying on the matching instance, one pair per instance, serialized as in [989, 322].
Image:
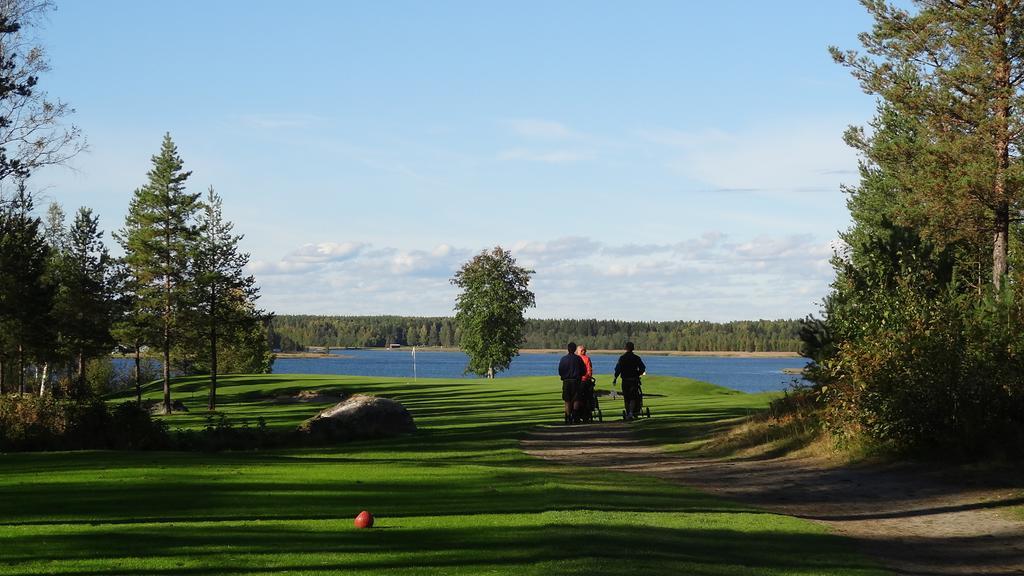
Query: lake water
[744, 374]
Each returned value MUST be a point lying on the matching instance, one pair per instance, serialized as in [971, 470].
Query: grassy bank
[459, 497]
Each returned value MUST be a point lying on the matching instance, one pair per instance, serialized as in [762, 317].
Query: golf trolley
[593, 403]
[641, 410]
[591, 409]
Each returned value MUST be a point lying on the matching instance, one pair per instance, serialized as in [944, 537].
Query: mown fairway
[459, 497]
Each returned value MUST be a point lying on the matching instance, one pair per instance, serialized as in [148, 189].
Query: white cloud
[327, 251]
[262, 267]
[710, 276]
[556, 251]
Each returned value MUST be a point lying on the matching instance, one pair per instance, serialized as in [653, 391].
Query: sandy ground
[914, 521]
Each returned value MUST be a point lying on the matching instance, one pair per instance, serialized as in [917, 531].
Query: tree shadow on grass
[539, 544]
[394, 489]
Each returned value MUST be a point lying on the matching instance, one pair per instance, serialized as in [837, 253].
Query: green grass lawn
[458, 497]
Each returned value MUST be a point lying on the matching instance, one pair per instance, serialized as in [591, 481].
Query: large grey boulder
[360, 416]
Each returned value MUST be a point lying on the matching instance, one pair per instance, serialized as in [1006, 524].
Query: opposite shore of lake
[317, 352]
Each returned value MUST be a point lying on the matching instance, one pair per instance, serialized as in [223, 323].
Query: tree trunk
[3, 369]
[1001, 235]
[213, 368]
[44, 378]
[80, 375]
[21, 369]
[138, 376]
[167, 368]
[167, 339]
[1000, 265]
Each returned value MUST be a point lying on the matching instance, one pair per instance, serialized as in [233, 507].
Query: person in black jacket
[571, 370]
[631, 368]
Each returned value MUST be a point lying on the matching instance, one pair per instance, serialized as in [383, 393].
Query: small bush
[927, 373]
[100, 376]
[221, 434]
[135, 429]
[30, 423]
[33, 423]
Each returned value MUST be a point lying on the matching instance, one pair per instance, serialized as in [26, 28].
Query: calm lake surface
[744, 374]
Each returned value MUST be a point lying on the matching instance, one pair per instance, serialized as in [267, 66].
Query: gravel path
[914, 521]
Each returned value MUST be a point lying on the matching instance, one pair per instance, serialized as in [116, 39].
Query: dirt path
[915, 522]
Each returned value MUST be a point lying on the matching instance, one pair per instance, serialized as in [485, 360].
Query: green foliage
[84, 304]
[220, 434]
[816, 338]
[225, 298]
[100, 377]
[26, 289]
[923, 354]
[247, 352]
[46, 423]
[158, 238]
[954, 74]
[919, 363]
[241, 349]
[489, 310]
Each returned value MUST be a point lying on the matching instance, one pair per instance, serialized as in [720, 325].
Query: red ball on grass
[364, 520]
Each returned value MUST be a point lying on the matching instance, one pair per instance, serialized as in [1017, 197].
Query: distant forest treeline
[293, 333]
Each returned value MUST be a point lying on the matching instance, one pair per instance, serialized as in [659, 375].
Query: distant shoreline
[730, 354]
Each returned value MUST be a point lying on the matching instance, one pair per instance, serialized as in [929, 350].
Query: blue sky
[650, 160]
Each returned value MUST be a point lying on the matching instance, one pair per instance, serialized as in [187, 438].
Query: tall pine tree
[158, 238]
[26, 295]
[224, 295]
[957, 68]
[84, 303]
[133, 325]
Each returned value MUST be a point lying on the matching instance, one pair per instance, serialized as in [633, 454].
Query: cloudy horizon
[709, 277]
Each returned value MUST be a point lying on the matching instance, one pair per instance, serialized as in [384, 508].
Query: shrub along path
[913, 520]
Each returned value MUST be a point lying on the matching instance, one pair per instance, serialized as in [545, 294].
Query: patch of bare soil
[914, 520]
[310, 396]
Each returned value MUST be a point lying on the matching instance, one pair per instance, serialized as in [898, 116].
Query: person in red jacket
[581, 351]
[571, 370]
[586, 384]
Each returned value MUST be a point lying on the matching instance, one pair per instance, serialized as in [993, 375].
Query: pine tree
[56, 235]
[84, 302]
[158, 238]
[957, 69]
[133, 324]
[26, 295]
[224, 295]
